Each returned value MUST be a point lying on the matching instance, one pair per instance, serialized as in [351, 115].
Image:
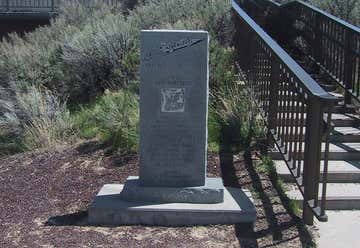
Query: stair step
[338, 151]
[345, 109]
[287, 95]
[339, 120]
[339, 109]
[340, 196]
[338, 171]
[338, 135]
[345, 120]
[345, 134]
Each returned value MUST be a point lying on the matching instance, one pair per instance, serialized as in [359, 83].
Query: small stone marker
[172, 189]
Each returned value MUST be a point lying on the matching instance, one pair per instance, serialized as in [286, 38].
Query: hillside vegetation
[78, 78]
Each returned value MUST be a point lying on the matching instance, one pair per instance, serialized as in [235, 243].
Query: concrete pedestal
[108, 209]
[211, 192]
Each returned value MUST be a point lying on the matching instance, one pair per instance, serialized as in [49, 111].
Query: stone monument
[172, 188]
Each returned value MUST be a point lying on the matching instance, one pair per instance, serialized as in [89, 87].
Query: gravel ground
[44, 197]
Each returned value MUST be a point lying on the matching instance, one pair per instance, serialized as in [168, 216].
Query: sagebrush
[87, 63]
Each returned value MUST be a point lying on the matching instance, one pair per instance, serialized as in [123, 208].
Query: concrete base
[109, 210]
[211, 192]
[342, 230]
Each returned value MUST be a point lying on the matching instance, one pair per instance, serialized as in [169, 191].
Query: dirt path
[44, 197]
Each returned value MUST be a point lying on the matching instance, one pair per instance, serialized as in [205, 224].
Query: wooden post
[7, 5]
[312, 156]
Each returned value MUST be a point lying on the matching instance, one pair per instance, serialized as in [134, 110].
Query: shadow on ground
[118, 158]
[75, 219]
[90, 147]
[271, 222]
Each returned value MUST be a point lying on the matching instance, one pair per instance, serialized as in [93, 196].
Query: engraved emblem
[169, 47]
[173, 100]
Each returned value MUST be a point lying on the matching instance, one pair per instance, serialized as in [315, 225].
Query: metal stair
[343, 184]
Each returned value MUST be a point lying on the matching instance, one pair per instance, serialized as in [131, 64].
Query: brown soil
[44, 197]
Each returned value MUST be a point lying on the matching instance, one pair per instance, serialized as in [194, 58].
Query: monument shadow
[247, 234]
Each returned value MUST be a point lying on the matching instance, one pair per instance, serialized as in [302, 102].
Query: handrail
[310, 84]
[291, 102]
[316, 9]
[18, 6]
[333, 44]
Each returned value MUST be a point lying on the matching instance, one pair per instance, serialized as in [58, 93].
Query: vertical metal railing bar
[291, 122]
[261, 79]
[282, 106]
[342, 62]
[332, 48]
[266, 79]
[326, 165]
[273, 99]
[297, 128]
[287, 115]
[337, 64]
[262, 70]
[301, 138]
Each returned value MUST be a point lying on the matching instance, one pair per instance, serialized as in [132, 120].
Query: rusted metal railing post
[312, 157]
[273, 99]
[348, 66]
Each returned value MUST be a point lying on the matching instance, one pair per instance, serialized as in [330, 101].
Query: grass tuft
[113, 118]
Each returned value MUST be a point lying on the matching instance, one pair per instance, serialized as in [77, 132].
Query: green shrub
[113, 118]
[214, 132]
[80, 12]
[222, 66]
[88, 50]
[102, 55]
[210, 15]
[231, 102]
[38, 120]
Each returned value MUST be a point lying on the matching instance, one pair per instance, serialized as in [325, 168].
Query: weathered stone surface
[173, 108]
[109, 210]
[211, 192]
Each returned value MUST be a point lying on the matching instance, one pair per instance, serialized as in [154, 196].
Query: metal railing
[296, 109]
[28, 5]
[332, 43]
[43, 5]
